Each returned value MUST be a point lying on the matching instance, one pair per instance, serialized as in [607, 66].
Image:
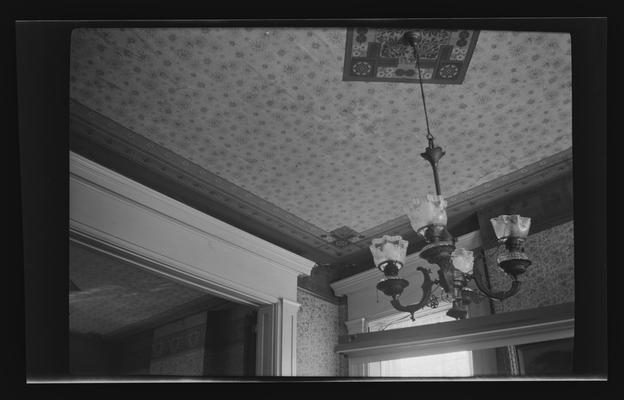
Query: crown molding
[94, 134]
[182, 273]
[115, 146]
[133, 192]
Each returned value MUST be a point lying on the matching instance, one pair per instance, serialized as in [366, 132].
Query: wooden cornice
[518, 327]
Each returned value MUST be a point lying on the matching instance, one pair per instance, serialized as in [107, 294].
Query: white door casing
[133, 222]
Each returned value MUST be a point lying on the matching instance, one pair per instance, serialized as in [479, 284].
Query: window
[452, 364]
[457, 364]
[474, 347]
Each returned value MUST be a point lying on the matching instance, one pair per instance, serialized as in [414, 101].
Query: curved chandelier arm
[425, 299]
[497, 295]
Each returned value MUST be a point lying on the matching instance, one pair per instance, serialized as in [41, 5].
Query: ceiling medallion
[428, 218]
[383, 55]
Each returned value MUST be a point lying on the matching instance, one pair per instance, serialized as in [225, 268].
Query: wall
[319, 324]
[550, 278]
[134, 354]
[548, 281]
[89, 355]
[218, 342]
[178, 347]
[225, 343]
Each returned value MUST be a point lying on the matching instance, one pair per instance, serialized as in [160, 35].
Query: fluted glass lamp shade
[424, 211]
[519, 226]
[500, 225]
[462, 260]
[511, 226]
[389, 248]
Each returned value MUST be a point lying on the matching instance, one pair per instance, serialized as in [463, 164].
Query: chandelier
[428, 218]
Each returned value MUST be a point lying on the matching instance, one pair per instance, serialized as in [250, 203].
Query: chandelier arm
[425, 299]
[446, 274]
[496, 295]
[472, 295]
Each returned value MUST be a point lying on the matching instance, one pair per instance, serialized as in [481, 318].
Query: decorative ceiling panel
[113, 295]
[383, 55]
[262, 116]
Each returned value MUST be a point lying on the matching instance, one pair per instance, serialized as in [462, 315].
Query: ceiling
[114, 295]
[260, 121]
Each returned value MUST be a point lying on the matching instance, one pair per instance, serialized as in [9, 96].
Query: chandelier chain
[422, 93]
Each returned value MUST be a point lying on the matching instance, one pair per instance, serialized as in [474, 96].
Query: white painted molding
[513, 328]
[266, 352]
[356, 326]
[127, 220]
[442, 340]
[124, 188]
[375, 323]
[476, 341]
[276, 339]
[171, 269]
[469, 241]
[286, 324]
[113, 211]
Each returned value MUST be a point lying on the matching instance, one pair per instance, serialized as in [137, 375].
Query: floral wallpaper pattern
[318, 328]
[178, 348]
[550, 278]
[267, 109]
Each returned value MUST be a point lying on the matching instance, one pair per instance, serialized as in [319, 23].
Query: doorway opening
[126, 321]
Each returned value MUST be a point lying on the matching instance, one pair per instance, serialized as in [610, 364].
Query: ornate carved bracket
[479, 279]
[425, 299]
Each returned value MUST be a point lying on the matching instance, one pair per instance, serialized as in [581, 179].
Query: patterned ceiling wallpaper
[114, 294]
[267, 110]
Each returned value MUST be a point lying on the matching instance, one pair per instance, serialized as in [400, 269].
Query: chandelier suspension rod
[432, 153]
[422, 94]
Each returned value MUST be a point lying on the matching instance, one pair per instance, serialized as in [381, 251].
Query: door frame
[120, 217]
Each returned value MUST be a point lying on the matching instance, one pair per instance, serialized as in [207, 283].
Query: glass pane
[457, 364]
[550, 358]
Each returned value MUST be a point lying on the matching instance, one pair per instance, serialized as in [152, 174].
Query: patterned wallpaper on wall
[178, 347]
[318, 329]
[134, 354]
[267, 109]
[225, 350]
[549, 280]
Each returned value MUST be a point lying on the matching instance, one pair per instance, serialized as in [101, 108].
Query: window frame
[479, 333]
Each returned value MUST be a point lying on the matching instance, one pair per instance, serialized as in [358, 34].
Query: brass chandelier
[428, 218]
